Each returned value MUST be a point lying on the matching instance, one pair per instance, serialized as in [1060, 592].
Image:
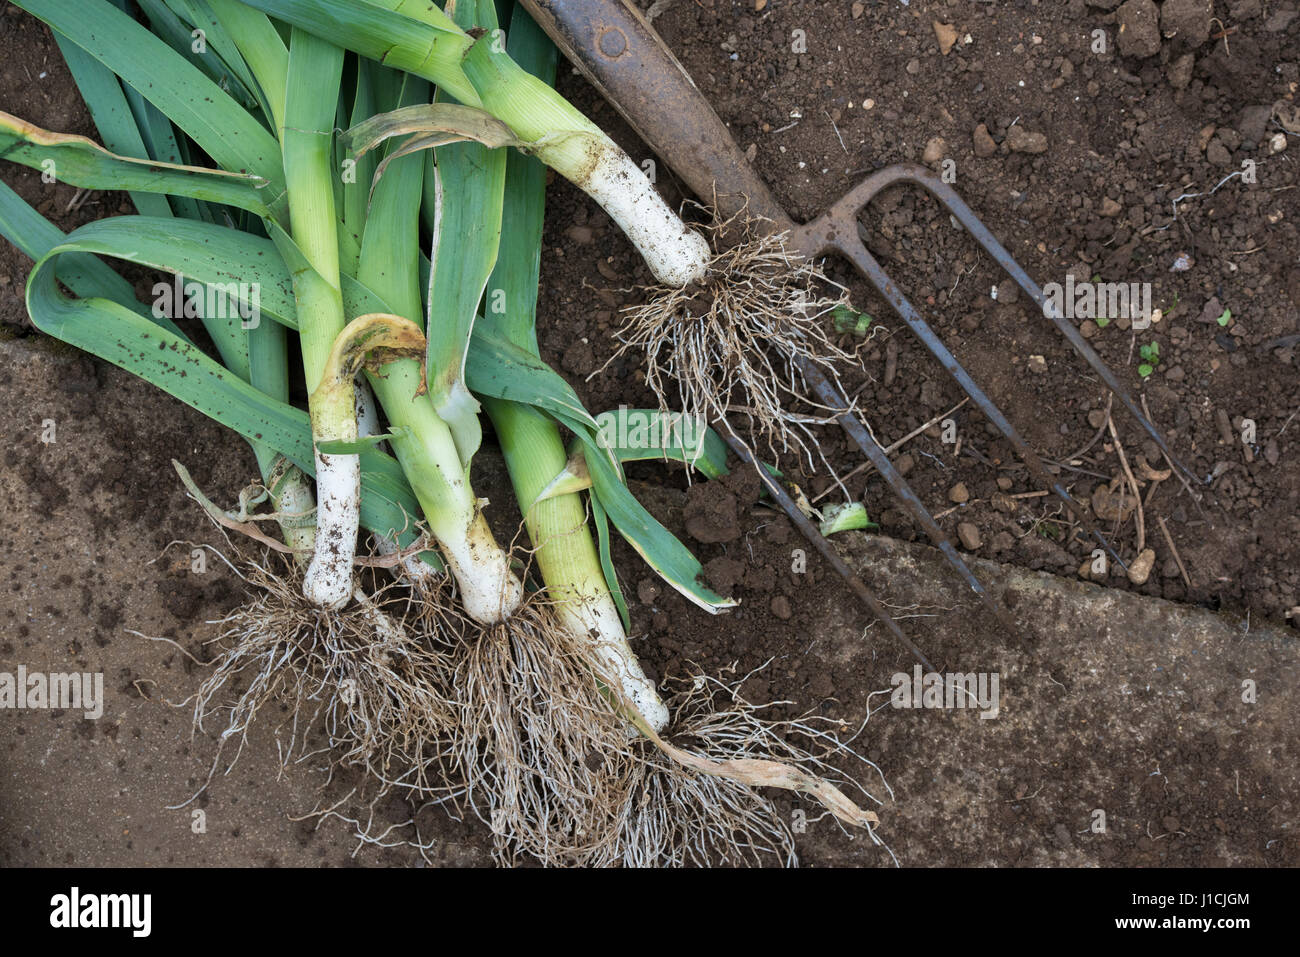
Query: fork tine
[831, 397]
[857, 252]
[947, 196]
[820, 542]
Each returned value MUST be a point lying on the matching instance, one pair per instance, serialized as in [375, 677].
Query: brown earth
[1187, 774]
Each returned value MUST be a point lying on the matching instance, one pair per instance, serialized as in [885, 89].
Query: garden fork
[620, 53]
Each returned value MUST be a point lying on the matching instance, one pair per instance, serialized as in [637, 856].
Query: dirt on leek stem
[565, 140]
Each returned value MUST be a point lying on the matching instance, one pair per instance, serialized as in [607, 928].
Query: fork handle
[619, 52]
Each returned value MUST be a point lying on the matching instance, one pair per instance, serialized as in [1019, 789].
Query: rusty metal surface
[623, 57]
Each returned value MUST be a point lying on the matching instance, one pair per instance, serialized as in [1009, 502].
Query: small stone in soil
[969, 536]
[1021, 140]
[1217, 153]
[1139, 570]
[1186, 20]
[781, 607]
[1111, 506]
[647, 591]
[946, 34]
[983, 142]
[1139, 28]
[959, 494]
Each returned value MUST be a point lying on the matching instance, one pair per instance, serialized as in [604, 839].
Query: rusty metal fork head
[840, 231]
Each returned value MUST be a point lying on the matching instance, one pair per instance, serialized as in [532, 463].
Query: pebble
[946, 34]
[647, 591]
[1253, 121]
[959, 494]
[1088, 329]
[1004, 483]
[781, 607]
[1021, 140]
[1139, 570]
[582, 235]
[1139, 28]
[857, 10]
[969, 536]
[1217, 153]
[983, 142]
[1037, 365]
[1186, 20]
[905, 463]
[1110, 208]
[934, 150]
[1111, 506]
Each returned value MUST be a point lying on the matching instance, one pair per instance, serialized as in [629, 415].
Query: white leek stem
[490, 591]
[598, 617]
[565, 140]
[328, 580]
[675, 253]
